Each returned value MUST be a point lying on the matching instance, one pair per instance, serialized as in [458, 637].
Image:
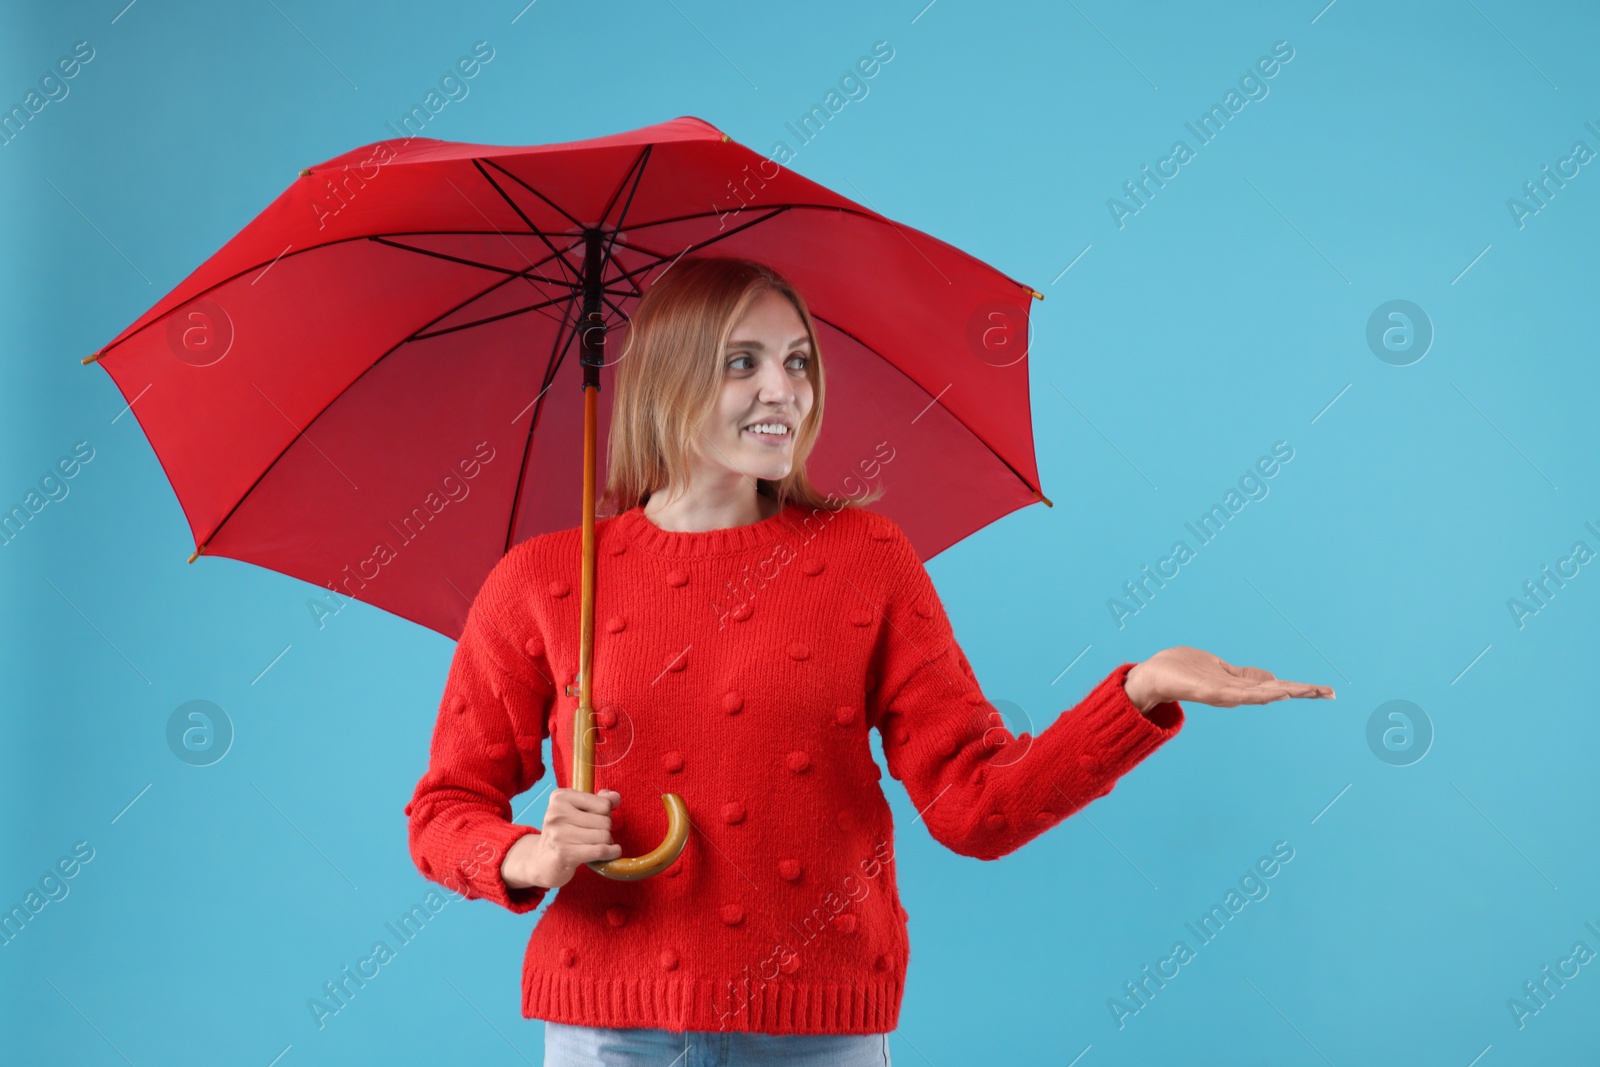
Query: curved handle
[623, 868]
[658, 859]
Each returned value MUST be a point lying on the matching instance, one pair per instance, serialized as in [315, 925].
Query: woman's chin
[767, 468]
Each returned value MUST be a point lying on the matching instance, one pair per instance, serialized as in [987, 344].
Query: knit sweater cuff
[501, 836]
[1079, 758]
[1088, 748]
[1121, 734]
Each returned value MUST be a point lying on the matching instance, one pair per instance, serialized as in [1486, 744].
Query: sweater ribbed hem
[703, 1004]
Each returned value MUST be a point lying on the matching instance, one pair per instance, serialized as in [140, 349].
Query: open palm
[1184, 673]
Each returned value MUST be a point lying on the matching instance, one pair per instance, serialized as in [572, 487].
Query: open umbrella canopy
[374, 385]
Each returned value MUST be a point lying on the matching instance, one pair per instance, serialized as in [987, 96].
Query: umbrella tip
[1036, 294]
[86, 360]
[304, 171]
[1045, 499]
[726, 138]
[194, 555]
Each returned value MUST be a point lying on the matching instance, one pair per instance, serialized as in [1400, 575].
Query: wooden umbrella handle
[623, 868]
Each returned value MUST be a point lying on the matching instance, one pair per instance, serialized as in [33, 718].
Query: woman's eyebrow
[760, 347]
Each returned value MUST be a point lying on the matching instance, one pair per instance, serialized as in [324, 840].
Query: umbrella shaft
[591, 349]
[583, 722]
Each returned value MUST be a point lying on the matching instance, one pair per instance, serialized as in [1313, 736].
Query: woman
[749, 633]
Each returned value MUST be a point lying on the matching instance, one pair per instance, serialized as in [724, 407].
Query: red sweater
[741, 669]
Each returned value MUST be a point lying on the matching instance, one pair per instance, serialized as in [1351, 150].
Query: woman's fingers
[572, 855]
[575, 809]
[581, 820]
[578, 801]
[601, 802]
[586, 820]
[1310, 690]
[1266, 692]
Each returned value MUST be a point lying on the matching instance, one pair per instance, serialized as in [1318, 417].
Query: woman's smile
[770, 434]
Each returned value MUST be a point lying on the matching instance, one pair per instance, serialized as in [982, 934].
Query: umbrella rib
[451, 311]
[762, 207]
[528, 261]
[413, 335]
[661, 257]
[556, 254]
[693, 247]
[637, 170]
[496, 318]
[710, 214]
[471, 262]
[623, 315]
[511, 275]
[557, 352]
[577, 275]
[289, 255]
[633, 286]
[530, 189]
[843, 209]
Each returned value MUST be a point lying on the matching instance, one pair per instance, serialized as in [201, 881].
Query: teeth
[769, 427]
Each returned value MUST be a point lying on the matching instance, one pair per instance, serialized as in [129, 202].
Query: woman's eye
[805, 361]
[738, 359]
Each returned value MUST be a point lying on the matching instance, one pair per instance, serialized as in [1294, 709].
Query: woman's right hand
[576, 830]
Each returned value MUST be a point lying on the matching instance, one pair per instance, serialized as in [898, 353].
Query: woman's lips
[770, 439]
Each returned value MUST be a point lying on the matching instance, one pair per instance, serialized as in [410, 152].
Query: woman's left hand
[1184, 673]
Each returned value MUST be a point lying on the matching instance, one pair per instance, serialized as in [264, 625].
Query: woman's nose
[775, 385]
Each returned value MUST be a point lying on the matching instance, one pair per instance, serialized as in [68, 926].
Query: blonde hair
[670, 373]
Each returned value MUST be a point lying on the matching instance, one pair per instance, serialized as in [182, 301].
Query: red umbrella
[328, 389]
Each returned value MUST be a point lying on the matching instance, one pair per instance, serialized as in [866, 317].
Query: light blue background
[1226, 315]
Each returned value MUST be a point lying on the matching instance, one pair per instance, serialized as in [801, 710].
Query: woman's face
[764, 383]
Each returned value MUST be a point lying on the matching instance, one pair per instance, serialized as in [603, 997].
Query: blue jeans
[589, 1046]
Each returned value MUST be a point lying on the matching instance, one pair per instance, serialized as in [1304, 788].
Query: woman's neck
[695, 514]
